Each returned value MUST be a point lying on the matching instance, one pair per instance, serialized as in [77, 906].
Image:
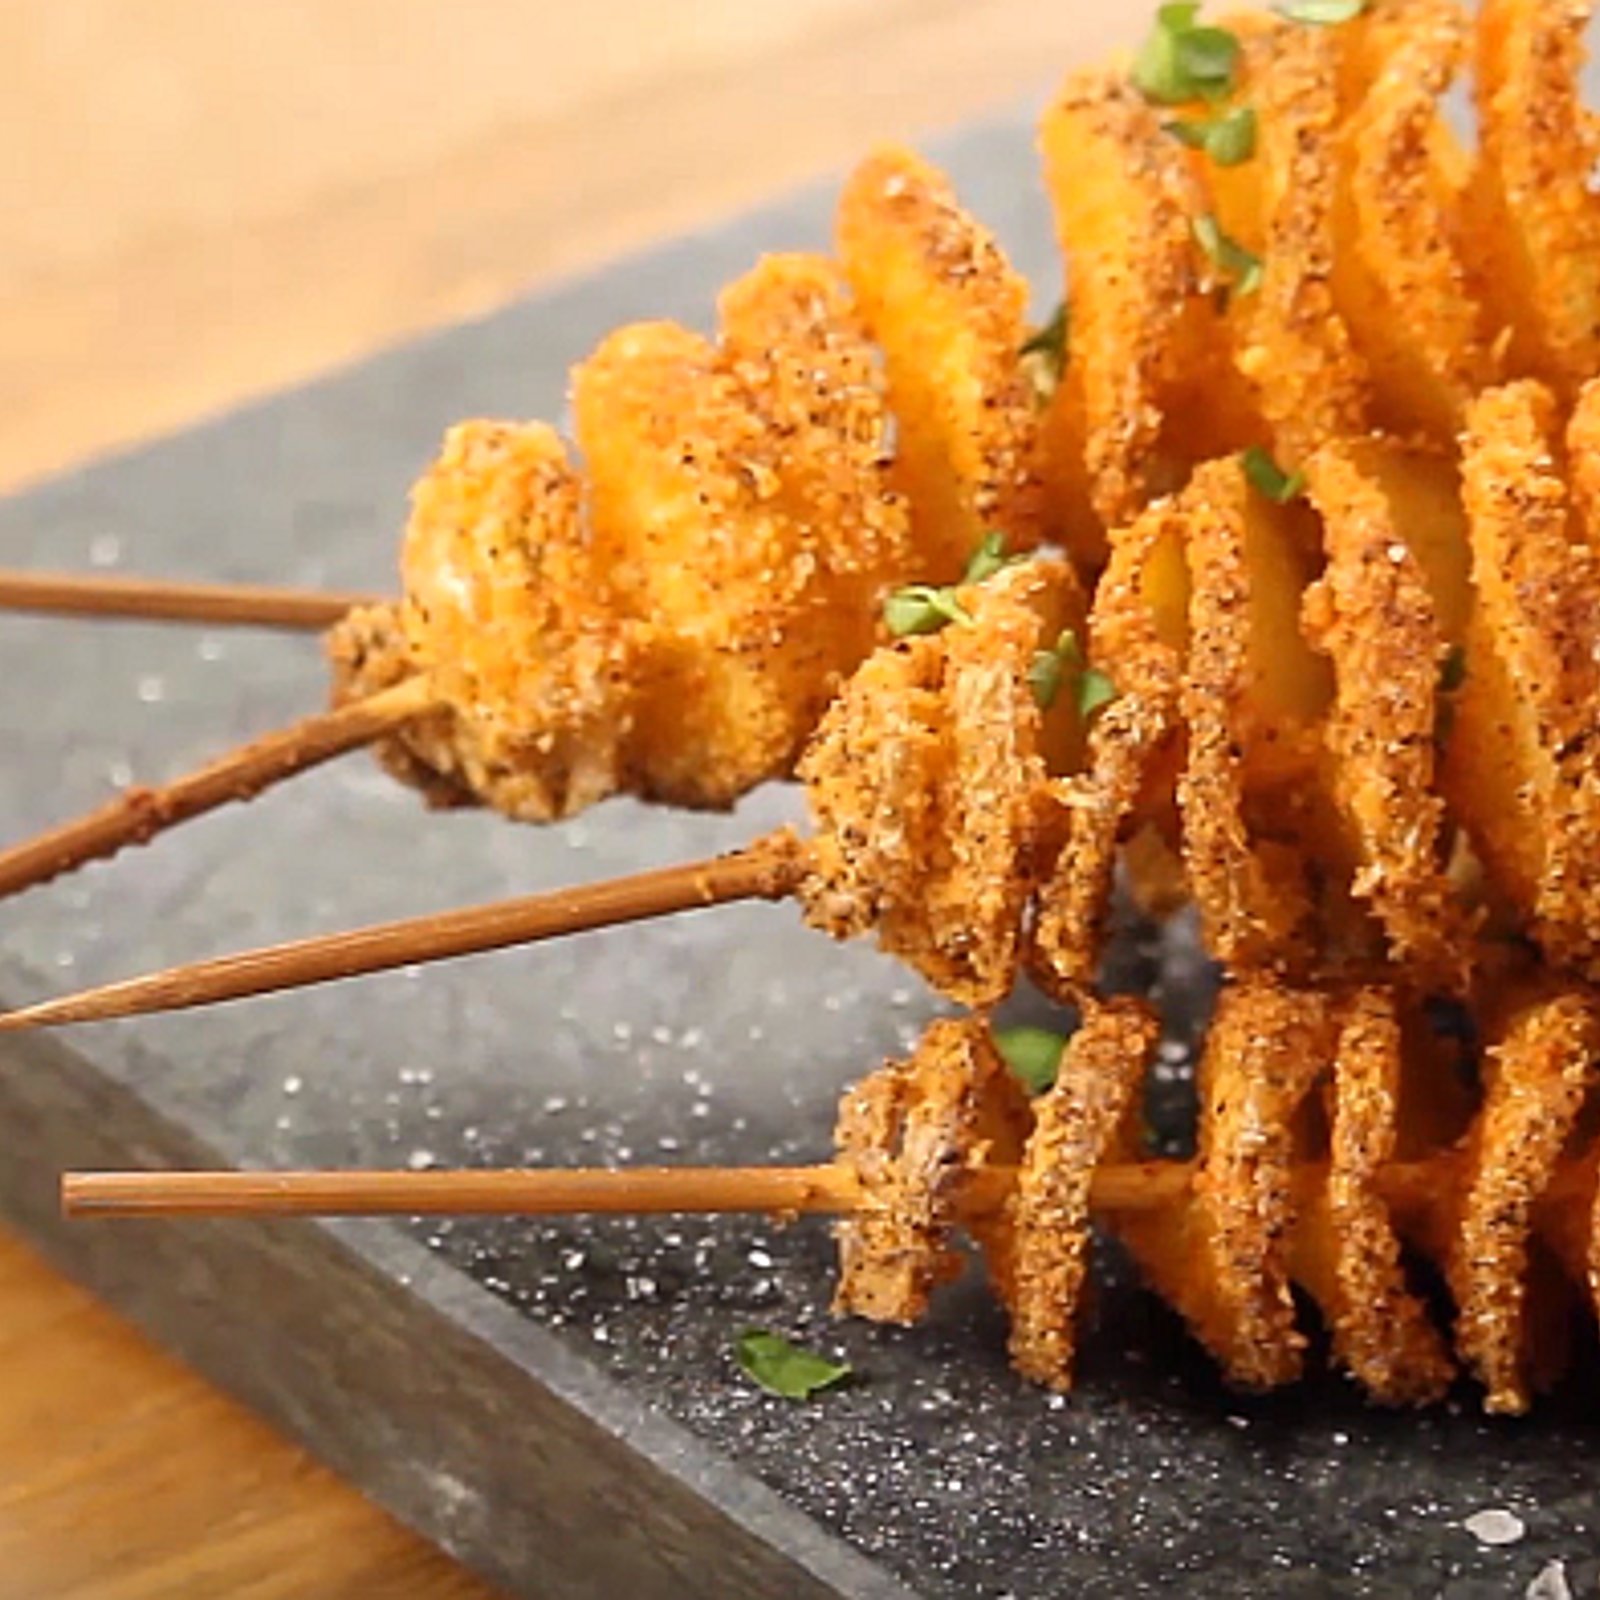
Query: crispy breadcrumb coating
[926, 783]
[913, 1132]
[949, 312]
[1373, 614]
[1076, 1125]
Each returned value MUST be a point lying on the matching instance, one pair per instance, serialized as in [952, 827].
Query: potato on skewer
[1295, 1182]
[949, 312]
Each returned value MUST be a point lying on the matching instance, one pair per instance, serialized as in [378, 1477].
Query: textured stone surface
[556, 1402]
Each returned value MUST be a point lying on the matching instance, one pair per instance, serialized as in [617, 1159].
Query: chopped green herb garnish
[1183, 60]
[784, 1369]
[1095, 692]
[1032, 1054]
[1044, 353]
[1269, 479]
[1229, 138]
[1044, 677]
[989, 558]
[1239, 268]
[922, 608]
[1049, 670]
[1453, 670]
[1322, 13]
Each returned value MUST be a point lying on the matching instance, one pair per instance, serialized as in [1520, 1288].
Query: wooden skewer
[829, 1190]
[138, 814]
[767, 870]
[832, 1190]
[230, 605]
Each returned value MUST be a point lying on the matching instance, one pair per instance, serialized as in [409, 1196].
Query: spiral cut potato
[673, 619]
[1306, 1096]
[1358, 271]
[1269, 569]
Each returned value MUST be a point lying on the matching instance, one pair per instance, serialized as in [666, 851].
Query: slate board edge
[684, 1519]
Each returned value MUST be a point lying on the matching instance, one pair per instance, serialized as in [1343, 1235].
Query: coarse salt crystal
[1495, 1525]
[1550, 1584]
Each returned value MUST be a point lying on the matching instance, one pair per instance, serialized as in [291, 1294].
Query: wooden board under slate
[556, 1403]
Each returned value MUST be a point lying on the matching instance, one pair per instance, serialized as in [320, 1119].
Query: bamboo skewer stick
[138, 814]
[227, 605]
[767, 870]
[829, 1190]
[832, 1190]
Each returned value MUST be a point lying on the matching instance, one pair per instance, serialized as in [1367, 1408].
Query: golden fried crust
[913, 1133]
[1527, 770]
[1293, 344]
[1536, 225]
[1399, 274]
[949, 313]
[926, 783]
[738, 498]
[1540, 1072]
[1583, 463]
[1124, 197]
[1373, 615]
[367, 653]
[1221, 1256]
[1346, 1250]
[1075, 1123]
[1139, 622]
[506, 614]
[1252, 901]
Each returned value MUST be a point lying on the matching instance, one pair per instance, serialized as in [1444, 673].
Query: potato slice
[1372, 612]
[507, 614]
[949, 313]
[738, 498]
[1583, 463]
[1523, 765]
[1535, 232]
[1400, 278]
[1293, 347]
[1075, 1124]
[1346, 1251]
[1540, 1073]
[1139, 621]
[1124, 198]
[1221, 1255]
[1251, 696]
[914, 1133]
[926, 781]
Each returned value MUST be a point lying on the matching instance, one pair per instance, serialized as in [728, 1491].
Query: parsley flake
[989, 558]
[1239, 268]
[784, 1369]
[1095, 692]
[922, 608]
[1229, 138]
[1033, 1055]
[1322, 13]
[1183, 60]
[1044, 353]
[1049, 670]
[1269, 479]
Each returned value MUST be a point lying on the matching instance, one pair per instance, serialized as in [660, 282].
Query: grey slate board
[555, 1402]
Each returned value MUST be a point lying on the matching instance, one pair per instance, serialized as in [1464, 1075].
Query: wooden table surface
[209, 202]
